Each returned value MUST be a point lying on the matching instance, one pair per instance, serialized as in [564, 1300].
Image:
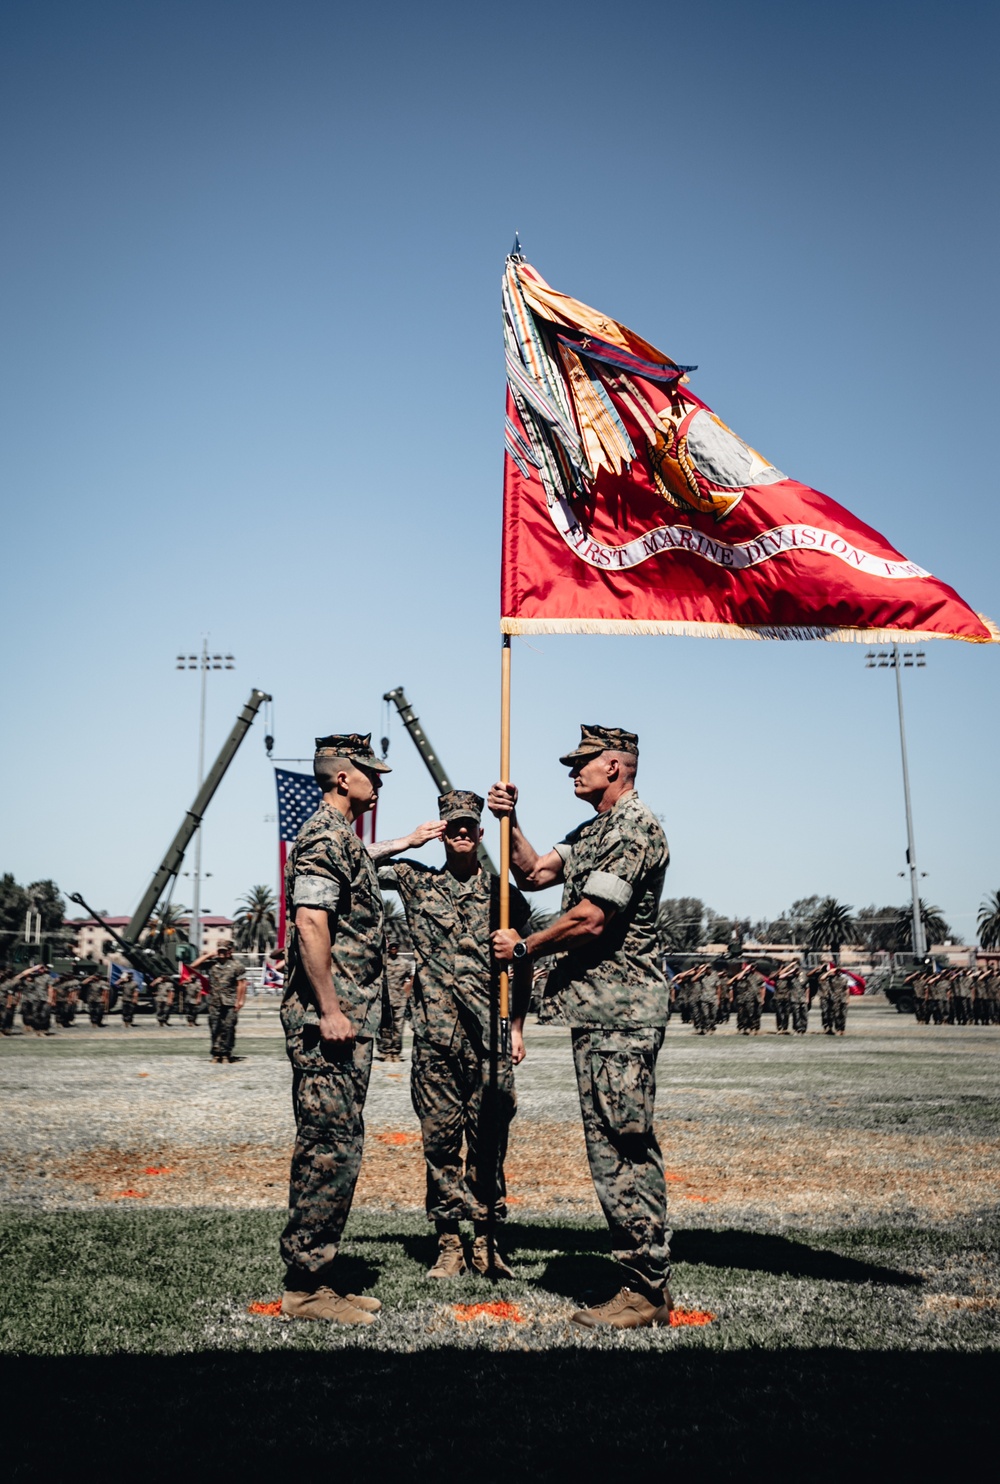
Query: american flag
[298, 799]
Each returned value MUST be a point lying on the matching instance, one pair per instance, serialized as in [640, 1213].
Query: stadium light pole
[203, 662]
[885, 659]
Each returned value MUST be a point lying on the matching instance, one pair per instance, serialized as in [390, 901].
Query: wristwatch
[520, 949]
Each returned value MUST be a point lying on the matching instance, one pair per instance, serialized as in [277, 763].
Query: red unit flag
[630, 507]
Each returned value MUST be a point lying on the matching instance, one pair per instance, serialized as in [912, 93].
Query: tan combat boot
[450, 1259]
[627, 1310]
[324, 1304]
[364, 1302]
[481, 1260]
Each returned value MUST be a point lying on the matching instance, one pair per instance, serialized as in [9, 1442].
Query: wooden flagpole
[504, 978]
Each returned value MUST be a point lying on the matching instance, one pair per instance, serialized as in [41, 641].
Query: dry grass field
[835, 1206]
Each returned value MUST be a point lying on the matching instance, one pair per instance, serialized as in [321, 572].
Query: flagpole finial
[515, 251]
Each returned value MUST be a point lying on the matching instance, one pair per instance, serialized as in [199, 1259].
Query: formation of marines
[40, 998]
[960, 996]
[708, 994]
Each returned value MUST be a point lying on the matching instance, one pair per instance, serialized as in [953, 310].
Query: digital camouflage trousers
[616, 1080]
[449, 1087]
[390, 1031]
[748, 1013]
[329, 1087]
[222, 1025]
[833, 1012]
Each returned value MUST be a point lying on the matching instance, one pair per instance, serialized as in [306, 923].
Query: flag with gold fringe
[630, 507]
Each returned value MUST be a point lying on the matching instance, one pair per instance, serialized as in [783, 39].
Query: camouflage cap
[595, 740]
[355, 746]
[461, 804]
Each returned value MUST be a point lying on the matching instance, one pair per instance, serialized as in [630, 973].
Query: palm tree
[680, 924]
[936, 929]
[167, 922]
[989, 921]
[831, 926]
[255, 926]
[396, 930]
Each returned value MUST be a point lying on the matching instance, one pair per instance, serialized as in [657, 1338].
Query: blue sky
[252, 387]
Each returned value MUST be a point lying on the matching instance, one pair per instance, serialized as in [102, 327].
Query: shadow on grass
[753, 1252]
[585, 1414]
[758, 1252]
[582, 1267]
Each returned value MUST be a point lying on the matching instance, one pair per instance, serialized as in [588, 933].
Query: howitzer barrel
[432, 762]
[140, 958]
[171, 863]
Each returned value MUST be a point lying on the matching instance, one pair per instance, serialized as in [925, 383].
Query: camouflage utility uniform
[36, 1003]
[164, 1001]
[798, 1002]
[128, 994]
[781, 1003]
[395, 999]
[614, 995]
[961, 998]
[833, 1003]
[450, 923]
[192, 998]
[328, 867]
[97, 1002]
[705, 1002]
[223, 974]
[66, 999]
[725, 1006]
[747, 995]
[10, 995]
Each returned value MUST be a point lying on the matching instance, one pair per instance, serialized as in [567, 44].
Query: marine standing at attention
[395, 994]
[330, 1013]
[614, 995]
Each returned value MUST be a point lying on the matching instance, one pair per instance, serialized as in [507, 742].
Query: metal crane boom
[432, 762]
[171, 863]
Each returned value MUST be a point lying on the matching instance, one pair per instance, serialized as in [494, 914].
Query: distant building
[91, 935]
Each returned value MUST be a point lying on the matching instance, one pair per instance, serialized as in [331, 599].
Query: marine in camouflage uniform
[227, 981]
[725, 1005]
[961, 998]
[781, 1003]
[705, 1000]
[11, 989]
[191, 989]
[450, 913]
[936, 997]
[918, 985]
[747, 993]
[10, 994]
[986, 997]
[66, 999]
[614, 996]
[97, 1001]
[992, 992]
[163, 998]
[833, 1001]
[790, 1000]
[331, 895]
[395, 1000]
[128, 996]
[37, 1000]
[798, 1000]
